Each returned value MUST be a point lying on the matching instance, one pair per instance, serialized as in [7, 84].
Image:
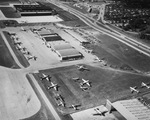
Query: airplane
[98, 59]
[38, 29]
[27, 52]
[133, 89]
[22, 29]
[18, 47]
[76, 79]
[55, 86]
[18, 43]
[32, 57]
[83, 88]
[59, 98]
[47, 77]
[98, 112]
[145, 85]
[75, 107]
[61, 103]
[24, 48]
[12, 34]
[85, 82]
[81, 67]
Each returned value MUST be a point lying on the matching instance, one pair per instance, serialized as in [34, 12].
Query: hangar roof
[132, 109]
[62, 46]
[69, 52]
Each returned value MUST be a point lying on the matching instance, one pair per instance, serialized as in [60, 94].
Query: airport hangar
[132, 109]
[34, 10]
[62, 48]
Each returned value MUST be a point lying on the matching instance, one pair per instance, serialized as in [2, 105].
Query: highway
[142, 48]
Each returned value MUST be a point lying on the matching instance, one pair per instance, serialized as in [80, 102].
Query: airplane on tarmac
[81, 67]
[38, 29]
[97, 58]
[145, 85]
[31, 57]
[75, 79]
[26, 52]
[75, 107]
[47, 77]
[60, 99]
[18, 43]
[55, 86]
[85, 82]
[83, 88]
[12, 33]
[98, 112]
[22, 29]
[133, 89]
[61, 103]
[18, 47]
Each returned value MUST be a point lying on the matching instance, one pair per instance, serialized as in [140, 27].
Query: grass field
[127, 55]
[6, 59]
[116, 54]
[106, 84]
[73, 23]
[18, 53]
[54, 7]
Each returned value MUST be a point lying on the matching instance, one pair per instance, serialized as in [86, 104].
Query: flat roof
[62, 46]
[132, 109]
[38, 19]
[69, 52]
[58, 42]
[44, 32]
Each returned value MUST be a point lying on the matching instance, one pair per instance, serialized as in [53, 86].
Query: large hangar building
[57, 44]
[34, 10]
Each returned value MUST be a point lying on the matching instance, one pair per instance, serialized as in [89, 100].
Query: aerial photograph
[75, 60]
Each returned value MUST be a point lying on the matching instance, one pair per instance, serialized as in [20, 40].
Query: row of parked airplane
[48, 78]
[22, 49]
[134, 89]
[58, 97]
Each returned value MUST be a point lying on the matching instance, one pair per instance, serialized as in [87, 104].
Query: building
[132, 109]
